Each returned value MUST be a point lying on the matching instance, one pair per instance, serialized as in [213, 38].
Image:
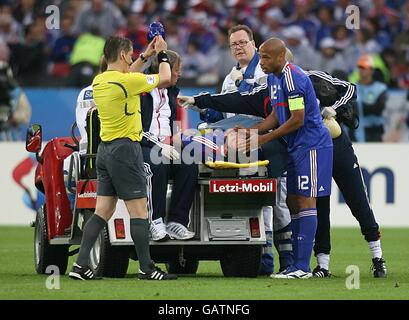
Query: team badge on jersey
[150, 79]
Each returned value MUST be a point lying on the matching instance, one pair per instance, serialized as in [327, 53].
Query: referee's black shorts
[120, 170]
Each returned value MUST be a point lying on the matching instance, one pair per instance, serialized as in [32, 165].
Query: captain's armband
[296, 103]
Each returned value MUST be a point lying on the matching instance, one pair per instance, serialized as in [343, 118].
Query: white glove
[236, 75]
[328, 113]
[186, 101]
[170, 152]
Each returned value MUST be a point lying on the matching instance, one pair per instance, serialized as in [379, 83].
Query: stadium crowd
[315, 31]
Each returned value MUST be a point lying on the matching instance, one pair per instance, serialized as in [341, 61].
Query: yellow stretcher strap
[232, 165]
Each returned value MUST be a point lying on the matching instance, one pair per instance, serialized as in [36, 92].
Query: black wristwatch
[143, 58]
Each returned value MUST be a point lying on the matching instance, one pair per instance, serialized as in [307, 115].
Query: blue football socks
[304, 226]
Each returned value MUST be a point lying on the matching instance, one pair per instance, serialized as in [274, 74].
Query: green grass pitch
[18, 279]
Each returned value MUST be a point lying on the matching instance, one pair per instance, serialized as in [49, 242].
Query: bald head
[274, 45]
[273, 55]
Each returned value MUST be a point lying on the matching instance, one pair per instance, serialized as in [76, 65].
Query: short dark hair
[173, 56]
[113, 47]
[241, 27]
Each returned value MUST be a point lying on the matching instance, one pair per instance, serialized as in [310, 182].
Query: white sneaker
[158, 230]
[179, 231]
[278, 274]
[292, 274]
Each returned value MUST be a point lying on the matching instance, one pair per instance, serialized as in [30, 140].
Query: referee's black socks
[140, 237]
[90, 234]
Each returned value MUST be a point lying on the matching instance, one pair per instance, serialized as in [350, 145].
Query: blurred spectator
[151, 10]
[62, 49]
[340, 10]
[381, 71]
[394, 23]
[405, 15]
[85, 58]
[384, 24]
[21, 114]
[101, 15]
[378, 12]
[15, 110]
[6, 87]
[239, 12]
[371, 99]
[401, 46]
[364, 44]
[325, 16]
[74, 7]
[389, 57]
[194, 62]
[303, 18]
[272, 24]
[390, 70]
[135, 31]
[341, 37]
[201, 33]
[10, 30]
[25, 12]
[382, 38]
[329, 59]
[283, 5]
[4, 51]
[28, 58]
[299, 45]
[123, 6]
[220, 58]
[173, 39]
[399, 72]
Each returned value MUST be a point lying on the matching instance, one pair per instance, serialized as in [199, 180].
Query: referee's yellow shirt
[117, 96]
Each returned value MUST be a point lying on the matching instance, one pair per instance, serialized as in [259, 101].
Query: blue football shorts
[309, 172]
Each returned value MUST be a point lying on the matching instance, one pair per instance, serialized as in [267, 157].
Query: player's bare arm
[267, 124]
[295, 122]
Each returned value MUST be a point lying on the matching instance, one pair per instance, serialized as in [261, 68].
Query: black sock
[140, 237]
[90, 234]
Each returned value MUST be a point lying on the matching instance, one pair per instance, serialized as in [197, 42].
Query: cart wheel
[45, 254]
[241, 261]
[107, 260]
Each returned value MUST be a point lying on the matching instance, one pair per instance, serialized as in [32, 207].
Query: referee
[120, 171]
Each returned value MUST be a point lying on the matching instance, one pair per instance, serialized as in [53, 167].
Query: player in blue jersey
[289, 105]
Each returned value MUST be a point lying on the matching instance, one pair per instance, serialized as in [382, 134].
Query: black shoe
[379, 268]
[82, 273]
[156, 274]
[319, 272]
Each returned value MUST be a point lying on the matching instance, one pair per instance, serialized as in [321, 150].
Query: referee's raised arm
[164, 64]
[157, 46]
